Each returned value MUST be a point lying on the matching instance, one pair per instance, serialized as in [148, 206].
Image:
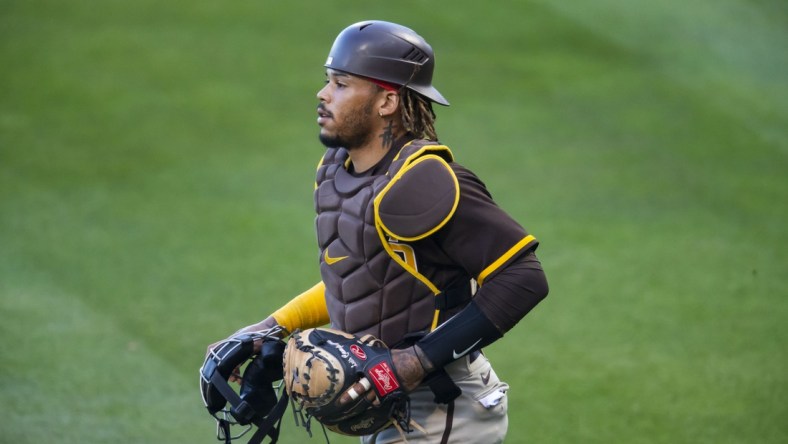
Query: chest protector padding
[367, 291]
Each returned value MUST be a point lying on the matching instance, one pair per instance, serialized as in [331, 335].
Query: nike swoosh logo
[486, 378]
[332, 260]
[464, 352]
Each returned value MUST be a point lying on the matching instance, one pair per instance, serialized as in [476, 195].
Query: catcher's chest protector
[367, 290]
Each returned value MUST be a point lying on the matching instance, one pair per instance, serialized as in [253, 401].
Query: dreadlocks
[417, 114]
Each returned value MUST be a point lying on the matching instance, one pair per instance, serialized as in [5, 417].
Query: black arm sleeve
[467, 331]
[496, 308]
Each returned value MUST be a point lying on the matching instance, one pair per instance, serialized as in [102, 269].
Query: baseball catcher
[413, 251]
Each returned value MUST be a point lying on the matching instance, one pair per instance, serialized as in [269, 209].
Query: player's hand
[407, 368]
[235, 376]
[265, 324]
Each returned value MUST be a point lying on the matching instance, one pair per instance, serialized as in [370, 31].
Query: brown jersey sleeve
[513, 292]
[497, 251]
[481, 237]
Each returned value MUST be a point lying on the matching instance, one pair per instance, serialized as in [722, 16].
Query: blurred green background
[156, 176]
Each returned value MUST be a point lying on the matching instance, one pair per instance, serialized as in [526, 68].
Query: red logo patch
[384, 379]
[358, 351]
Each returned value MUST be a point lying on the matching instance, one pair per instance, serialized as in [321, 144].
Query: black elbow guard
[467, 331]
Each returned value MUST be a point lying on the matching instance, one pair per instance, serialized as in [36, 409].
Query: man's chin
[330, 141]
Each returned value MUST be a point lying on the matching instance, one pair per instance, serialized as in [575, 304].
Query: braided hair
[418, 118]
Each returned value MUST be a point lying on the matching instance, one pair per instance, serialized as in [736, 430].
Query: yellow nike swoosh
[332, 260]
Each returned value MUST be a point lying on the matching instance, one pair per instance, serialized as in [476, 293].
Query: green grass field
[156, 175]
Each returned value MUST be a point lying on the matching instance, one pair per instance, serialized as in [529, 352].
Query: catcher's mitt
[256, 402]
[321, 364]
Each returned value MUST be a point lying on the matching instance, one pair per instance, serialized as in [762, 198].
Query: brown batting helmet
[388, 52]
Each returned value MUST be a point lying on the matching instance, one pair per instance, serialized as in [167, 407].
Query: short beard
[356, 132]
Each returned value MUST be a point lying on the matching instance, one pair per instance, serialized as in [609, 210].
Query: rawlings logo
[356, 350]
[362, 425]
[384, 378]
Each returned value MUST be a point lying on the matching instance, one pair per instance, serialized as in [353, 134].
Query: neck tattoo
[388, 135]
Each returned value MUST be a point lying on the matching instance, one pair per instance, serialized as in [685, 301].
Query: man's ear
[390, 104]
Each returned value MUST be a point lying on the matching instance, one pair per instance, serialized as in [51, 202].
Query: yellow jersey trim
[319, 164]
[426, 148]
[505, 257]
